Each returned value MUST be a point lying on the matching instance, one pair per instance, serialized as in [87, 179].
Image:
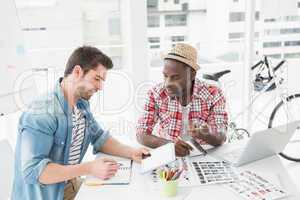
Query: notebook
[122, 177]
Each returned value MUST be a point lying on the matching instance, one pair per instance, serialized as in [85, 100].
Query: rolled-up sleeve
[98, 135]
[36, 143]
[218, 117]
[148, 119]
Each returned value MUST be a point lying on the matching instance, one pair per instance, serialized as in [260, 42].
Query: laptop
[262, 144]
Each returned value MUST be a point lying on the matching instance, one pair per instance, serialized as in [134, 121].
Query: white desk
[270, 167]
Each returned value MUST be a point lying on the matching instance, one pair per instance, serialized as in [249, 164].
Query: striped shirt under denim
[78, 130]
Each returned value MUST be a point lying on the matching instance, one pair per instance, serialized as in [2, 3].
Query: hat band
[174, 54]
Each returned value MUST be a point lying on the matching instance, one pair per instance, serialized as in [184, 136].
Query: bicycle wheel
[280, 116]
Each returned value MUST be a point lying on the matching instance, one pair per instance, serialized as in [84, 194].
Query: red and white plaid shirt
[207, 106]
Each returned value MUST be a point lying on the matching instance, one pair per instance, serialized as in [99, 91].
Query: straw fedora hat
[184, 53]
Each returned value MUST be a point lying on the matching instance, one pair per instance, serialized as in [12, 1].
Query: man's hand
[182, 148]
[199, 132]
[202, 133]
[137, 154]
[103, 168]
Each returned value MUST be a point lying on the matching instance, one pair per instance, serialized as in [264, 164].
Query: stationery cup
[169, 188]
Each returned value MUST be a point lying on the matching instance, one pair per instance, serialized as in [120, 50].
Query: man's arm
[214, 139]
[147, 122]
[115, 148]
[203, 133]
[151, 141]
[214, 132]
[102, 168]
[181, 148]
[55, 173]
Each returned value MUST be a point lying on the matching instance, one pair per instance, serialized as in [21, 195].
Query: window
[289, 30]
[114, 26]
[257, 15]
[291, 18]
[185, 6]
[176, 1]
[152, 4]
[298, 4]
[153, 21]
[272, 32]
[284, 18]
[236, 16]
[270, 20]
[239, 35]
[274, 55]
[292, 55]
[154, 42]
[292, 43]
[271, 44]
[179, 38]
[156, 46]
[236, 35]
[175, 20]
[240, 16]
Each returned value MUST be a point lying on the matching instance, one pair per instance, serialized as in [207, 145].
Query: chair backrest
[6, 169]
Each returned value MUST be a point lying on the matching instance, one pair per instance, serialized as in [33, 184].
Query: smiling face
[90, 82]
[178, 77]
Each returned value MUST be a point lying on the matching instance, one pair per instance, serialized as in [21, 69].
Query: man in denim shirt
[55, 131]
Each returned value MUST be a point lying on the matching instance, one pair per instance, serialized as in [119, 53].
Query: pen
[145, 155]
[177, 175]
[198, 146]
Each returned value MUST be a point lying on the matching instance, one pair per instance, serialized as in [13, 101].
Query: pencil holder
[169, 188]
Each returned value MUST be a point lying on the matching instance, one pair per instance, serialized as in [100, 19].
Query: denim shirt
[44, 136]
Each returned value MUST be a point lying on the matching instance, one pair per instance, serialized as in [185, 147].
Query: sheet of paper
[209, 194]
[187, 178]
[122, 176]
[252, 186]
[190, 177]
[159, 157]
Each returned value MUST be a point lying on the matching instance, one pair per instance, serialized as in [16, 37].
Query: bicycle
[266, 79]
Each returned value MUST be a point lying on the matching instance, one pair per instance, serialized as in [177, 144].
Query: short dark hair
[87, 58]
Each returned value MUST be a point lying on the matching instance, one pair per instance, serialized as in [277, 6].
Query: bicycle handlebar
[265, 61]
[279, 65]
[256, 65]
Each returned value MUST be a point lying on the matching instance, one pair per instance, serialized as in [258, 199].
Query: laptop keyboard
[232, 156]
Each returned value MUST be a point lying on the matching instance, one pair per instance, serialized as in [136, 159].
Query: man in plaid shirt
[183, 106]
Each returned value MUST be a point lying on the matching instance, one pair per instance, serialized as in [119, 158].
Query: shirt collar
[61, 98]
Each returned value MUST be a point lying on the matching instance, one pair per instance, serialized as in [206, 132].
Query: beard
[84, 93]
[86, 96]
[174, 91]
